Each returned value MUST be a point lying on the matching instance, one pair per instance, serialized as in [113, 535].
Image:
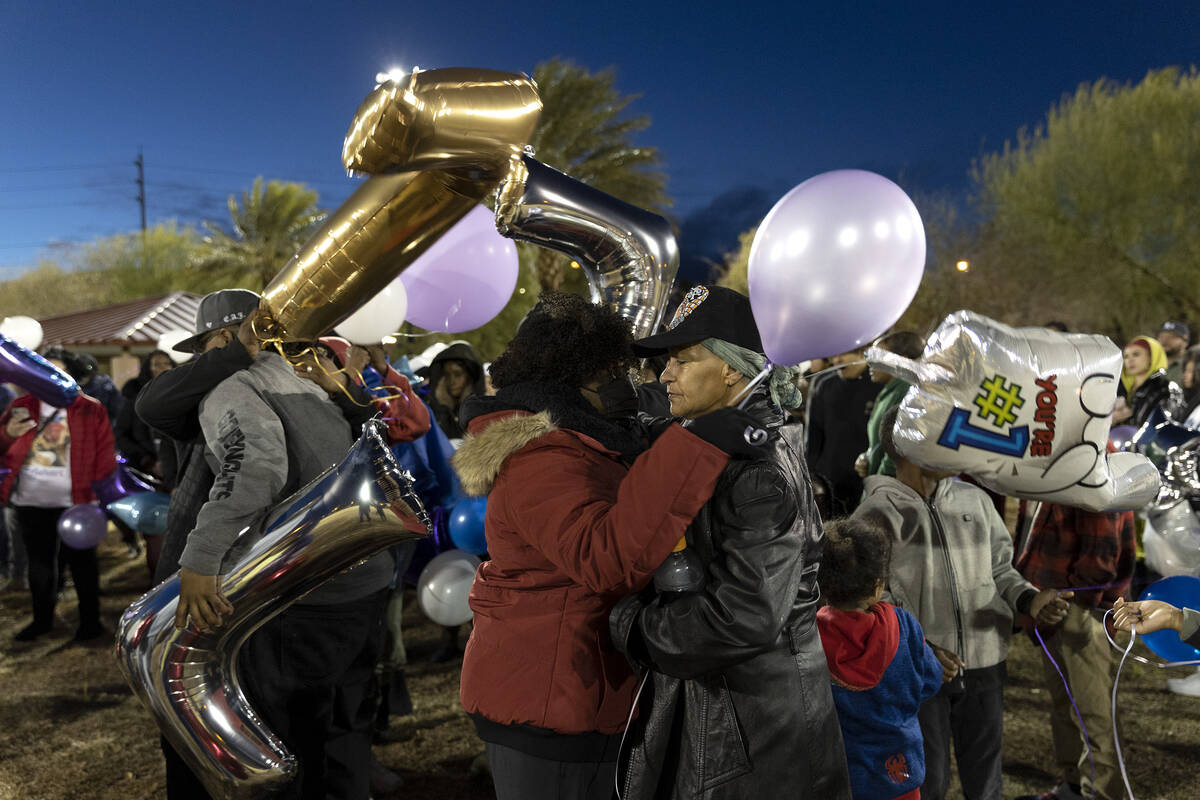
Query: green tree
[108, 270]
[269, 225]
[1094, 209]
[585, 132]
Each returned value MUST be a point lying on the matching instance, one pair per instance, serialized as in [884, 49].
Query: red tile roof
[135, 322]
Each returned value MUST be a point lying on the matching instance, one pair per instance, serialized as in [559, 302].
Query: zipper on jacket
[945, 540]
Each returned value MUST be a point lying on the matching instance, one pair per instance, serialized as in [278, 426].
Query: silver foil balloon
[628, 254]
[188, 678]
[1025, 411]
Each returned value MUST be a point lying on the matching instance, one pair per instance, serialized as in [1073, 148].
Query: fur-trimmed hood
[481, 455]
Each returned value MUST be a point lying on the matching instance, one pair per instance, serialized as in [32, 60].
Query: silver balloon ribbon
[1025, 411]
[628, 254]
[188, 678]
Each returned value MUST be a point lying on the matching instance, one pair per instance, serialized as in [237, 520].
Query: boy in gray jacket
[306, 671]
[952, 570]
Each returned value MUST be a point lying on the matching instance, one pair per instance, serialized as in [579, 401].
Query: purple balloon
[119, 484]
[82, 526]
[1121, 435]
[834, 264]
[35, 374]
[464, 279]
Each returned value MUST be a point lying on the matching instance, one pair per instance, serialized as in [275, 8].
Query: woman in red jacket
[576, 519]
[54, 454]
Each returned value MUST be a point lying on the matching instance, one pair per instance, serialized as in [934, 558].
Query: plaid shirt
[1069, 547]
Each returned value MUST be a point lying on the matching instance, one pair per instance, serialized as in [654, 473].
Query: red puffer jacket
[570, 531]
[92, 455]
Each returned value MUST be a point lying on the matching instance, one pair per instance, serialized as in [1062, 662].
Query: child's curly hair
[566, 339]
[855, 558]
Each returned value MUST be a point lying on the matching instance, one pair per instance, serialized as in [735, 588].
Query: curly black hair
[566, 339]
[855, 558]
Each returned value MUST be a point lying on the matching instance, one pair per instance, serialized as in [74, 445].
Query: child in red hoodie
[881, 667]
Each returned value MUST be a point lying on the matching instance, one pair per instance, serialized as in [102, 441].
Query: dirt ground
[70, 728]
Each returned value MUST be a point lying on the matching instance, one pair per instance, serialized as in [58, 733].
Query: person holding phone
[54, 455]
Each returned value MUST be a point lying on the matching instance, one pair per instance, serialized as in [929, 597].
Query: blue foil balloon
[145, 512]
[466, 525]
[1181, 591]
[35, 374]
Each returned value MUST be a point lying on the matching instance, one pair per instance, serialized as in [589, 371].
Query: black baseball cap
[707, 312]
[219, 309]
[1178, 328]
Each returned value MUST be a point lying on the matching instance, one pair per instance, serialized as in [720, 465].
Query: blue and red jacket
[882, 671]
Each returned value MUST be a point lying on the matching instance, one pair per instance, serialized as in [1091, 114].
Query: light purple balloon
[834, 264]
[464, 279]
[82, 526]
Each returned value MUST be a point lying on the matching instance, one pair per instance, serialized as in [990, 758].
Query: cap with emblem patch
[219, 309]
[706, 312]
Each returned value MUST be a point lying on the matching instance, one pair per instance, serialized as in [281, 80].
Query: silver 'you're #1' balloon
[1025, 411]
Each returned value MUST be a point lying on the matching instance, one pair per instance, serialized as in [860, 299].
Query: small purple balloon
[82, 526]
[35, 375]
[1121, 435]
[464, 279]
[834, 264]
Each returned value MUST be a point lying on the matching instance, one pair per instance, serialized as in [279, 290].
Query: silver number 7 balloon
[188, 678]
[628, 254]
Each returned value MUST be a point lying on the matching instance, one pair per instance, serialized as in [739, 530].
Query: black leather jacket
[738, 701]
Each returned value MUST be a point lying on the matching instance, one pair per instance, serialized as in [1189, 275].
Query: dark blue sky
[747, 99]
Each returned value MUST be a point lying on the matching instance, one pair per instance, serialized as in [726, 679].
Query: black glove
[735, 431]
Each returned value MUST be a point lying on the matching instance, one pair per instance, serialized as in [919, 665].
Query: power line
[27, 207]
[62, 186]
[58, 168]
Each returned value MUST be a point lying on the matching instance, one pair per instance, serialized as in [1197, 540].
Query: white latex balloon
[444, 585]
[169, 339]
[381, 315]
[25, 331]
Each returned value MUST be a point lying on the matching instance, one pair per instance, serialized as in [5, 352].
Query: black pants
[39, 531]
[520, 776]
[308, 673]
[974, 720]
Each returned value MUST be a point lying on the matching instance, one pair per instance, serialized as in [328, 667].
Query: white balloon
[25, 331]
[381, 315]
[444, 586]
[169, 339]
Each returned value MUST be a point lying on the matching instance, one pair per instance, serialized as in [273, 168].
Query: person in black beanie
[739, 691]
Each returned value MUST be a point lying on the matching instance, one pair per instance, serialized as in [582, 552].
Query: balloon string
[744, 394]
[624, 733]
[1116, 685]
[1127, 653]
[1087, 739]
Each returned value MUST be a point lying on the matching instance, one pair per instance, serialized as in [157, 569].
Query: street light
[962, 266]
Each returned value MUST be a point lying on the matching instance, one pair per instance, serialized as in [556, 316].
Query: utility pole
[141, 183]
[141, 198]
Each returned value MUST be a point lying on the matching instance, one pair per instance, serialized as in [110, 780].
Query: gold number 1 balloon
[435, 143]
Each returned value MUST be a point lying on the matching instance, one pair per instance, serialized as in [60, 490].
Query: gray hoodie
[951, 565]
[269, 433]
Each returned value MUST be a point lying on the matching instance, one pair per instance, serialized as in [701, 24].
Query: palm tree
[584, 132]
[269, 226]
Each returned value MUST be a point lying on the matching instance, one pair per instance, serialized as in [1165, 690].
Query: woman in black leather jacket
[738, 702]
